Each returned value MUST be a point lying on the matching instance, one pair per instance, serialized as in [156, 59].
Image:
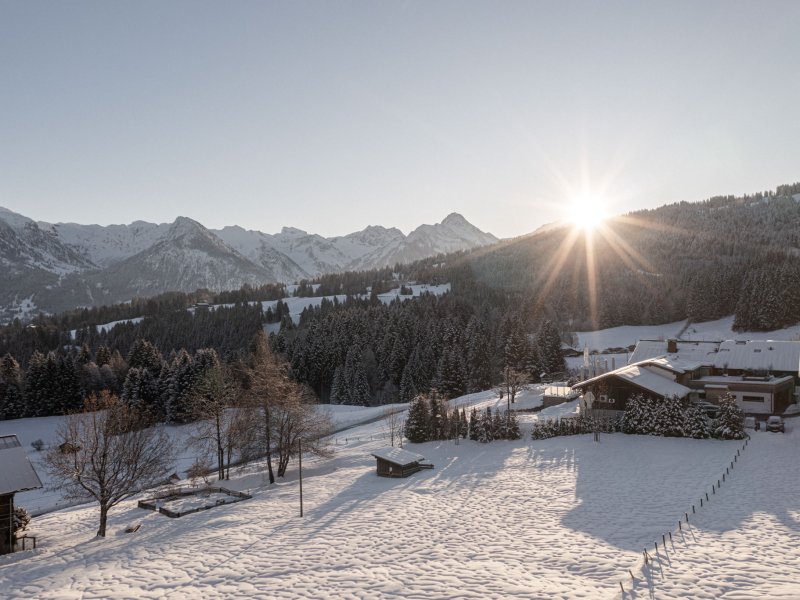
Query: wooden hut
[16, 475]
[396, 462]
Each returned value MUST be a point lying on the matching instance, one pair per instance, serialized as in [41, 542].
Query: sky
[331, 116]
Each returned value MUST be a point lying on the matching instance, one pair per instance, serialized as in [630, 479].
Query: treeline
[223, 328]
[58, 370]
[161, 305]
[430, 419]
[58, 383]
[363, 352]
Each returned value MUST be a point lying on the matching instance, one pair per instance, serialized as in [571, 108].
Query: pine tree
[730, 419]
[359, 391]
[671, 418]
[548, 342]
[436, 420]
[485, 426]
[696, 423]
[511, 426]
[474, 425]
[407, 387]
[11, 397]
[417, 422]
[339, 390]
[636, 416]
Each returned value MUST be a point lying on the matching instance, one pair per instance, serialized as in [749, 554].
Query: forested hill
[704, 260]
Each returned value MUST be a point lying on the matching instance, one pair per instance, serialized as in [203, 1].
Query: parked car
[752, 423]
[774, 423]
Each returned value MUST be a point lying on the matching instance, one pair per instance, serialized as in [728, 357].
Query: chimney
[672, 346]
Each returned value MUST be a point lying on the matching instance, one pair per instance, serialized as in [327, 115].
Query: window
[753, 398]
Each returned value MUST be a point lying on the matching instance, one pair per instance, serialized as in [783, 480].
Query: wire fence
[653, 560]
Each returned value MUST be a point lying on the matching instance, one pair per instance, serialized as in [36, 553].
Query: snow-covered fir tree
[671, 420]
[729, 424]
[486, 426]
[416, 428]
[511, 426]
[474, 425]
[696, 423]
[637, 414]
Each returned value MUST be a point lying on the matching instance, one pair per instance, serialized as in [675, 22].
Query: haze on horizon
[333, 116]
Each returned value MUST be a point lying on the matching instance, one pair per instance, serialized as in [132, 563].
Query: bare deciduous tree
[218, 419]
[108, 453]
[266, 386]
[295, 419]
[393, 420]
[512, 384]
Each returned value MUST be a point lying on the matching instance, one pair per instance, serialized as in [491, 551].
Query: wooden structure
[396, 462]
[761, 375]
[16, 475]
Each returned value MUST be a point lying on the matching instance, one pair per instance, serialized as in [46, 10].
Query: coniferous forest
[510, 305]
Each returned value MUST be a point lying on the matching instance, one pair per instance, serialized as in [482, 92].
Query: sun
[587, 211]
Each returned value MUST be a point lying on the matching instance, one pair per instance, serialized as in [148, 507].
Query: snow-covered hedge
[672, 417]
[573, 426]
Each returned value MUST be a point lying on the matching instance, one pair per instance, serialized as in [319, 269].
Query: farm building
[16, 475]
[396, 462]
[761, 375]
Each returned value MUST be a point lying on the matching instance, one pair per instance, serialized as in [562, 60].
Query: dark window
[752, 399]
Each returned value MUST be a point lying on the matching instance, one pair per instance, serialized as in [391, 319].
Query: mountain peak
[455, 218]
[183, 225]
[293, 231]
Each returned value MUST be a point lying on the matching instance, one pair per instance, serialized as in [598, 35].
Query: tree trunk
[101, 531]
[269, 447]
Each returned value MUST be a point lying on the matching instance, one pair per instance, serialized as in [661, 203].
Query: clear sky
[333, 115]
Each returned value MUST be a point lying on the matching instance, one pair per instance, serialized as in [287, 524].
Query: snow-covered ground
[721, 329]
[297, 305]
[558, 518]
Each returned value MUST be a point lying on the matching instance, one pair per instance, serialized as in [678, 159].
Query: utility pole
[300, 470]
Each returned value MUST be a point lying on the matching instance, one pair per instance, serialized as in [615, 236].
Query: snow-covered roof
[764, 355]
[689, 351]
[398, 456]
[645, 378]
[724, 381]
[16, 474]
[671, 363]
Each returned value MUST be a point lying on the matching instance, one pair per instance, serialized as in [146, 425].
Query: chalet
[761, 375]
[396, 462]
[17, 475]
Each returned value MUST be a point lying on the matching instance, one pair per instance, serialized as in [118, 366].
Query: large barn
[16, 475]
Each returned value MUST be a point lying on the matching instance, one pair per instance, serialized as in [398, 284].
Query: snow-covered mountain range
[58, 266]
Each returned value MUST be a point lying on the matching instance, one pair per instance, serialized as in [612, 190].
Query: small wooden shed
[16, 475]
[396, 462]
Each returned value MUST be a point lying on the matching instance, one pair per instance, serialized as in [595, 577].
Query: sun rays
[603, 237]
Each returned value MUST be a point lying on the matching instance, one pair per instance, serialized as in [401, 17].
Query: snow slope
[721, 329]
[558, 518]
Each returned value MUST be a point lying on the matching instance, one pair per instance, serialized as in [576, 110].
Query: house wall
[387, 469]
[775, 397]
[616, 390]
[6, 516]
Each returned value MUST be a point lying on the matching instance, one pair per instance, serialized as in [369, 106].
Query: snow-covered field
[558, 518]
[721, 329]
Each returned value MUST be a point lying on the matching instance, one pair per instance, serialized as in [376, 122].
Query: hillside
[704, 260]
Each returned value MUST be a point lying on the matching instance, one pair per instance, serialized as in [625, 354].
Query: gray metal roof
[16, 471]
[765, 355]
